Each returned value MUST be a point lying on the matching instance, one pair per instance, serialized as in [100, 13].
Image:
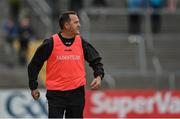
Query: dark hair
[65, 18]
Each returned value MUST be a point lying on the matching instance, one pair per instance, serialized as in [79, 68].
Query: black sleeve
[93, 58]
[41, 55]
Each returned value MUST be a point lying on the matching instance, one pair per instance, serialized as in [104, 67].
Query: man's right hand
[35, 94]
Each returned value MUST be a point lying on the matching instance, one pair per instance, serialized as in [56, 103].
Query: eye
[76, 22]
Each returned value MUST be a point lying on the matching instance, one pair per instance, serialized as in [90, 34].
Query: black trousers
[68, 104]
[135, 23]
[156, 22]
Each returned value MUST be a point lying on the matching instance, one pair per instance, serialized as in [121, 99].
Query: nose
[79, 25]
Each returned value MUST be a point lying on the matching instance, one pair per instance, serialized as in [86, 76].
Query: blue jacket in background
[134, 5]
[156, 3]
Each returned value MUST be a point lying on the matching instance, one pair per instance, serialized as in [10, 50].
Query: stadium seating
[109, 34]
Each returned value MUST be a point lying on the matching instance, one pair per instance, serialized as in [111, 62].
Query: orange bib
[65, 66]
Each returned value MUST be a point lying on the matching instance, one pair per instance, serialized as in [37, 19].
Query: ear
[66, 25]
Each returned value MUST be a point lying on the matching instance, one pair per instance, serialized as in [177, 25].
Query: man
[25, 33]
[65, 73]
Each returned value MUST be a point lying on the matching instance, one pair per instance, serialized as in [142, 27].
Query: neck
[67, 34]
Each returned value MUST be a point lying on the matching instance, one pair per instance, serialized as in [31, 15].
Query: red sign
[132, 103]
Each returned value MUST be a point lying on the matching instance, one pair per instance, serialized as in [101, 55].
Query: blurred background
[137, 39]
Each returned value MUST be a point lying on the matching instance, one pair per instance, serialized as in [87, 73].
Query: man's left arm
[93, 58]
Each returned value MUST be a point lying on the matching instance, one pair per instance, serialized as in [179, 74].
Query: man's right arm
[41, 55]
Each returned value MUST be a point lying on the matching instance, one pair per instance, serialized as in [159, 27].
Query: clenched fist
[35, 94]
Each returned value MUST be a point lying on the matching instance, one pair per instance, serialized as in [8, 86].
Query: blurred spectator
[14, 8]
[76, 5]
[134, 18]
[156, 5]
[99, 3]
[10, 30]
[25, 34]
[135, 8]
[172, 5]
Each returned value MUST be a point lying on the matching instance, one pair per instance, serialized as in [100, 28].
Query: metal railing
[43, 11]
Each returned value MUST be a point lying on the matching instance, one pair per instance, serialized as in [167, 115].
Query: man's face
[74, 25]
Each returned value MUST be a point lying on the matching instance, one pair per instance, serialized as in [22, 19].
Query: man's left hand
[96, 83]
